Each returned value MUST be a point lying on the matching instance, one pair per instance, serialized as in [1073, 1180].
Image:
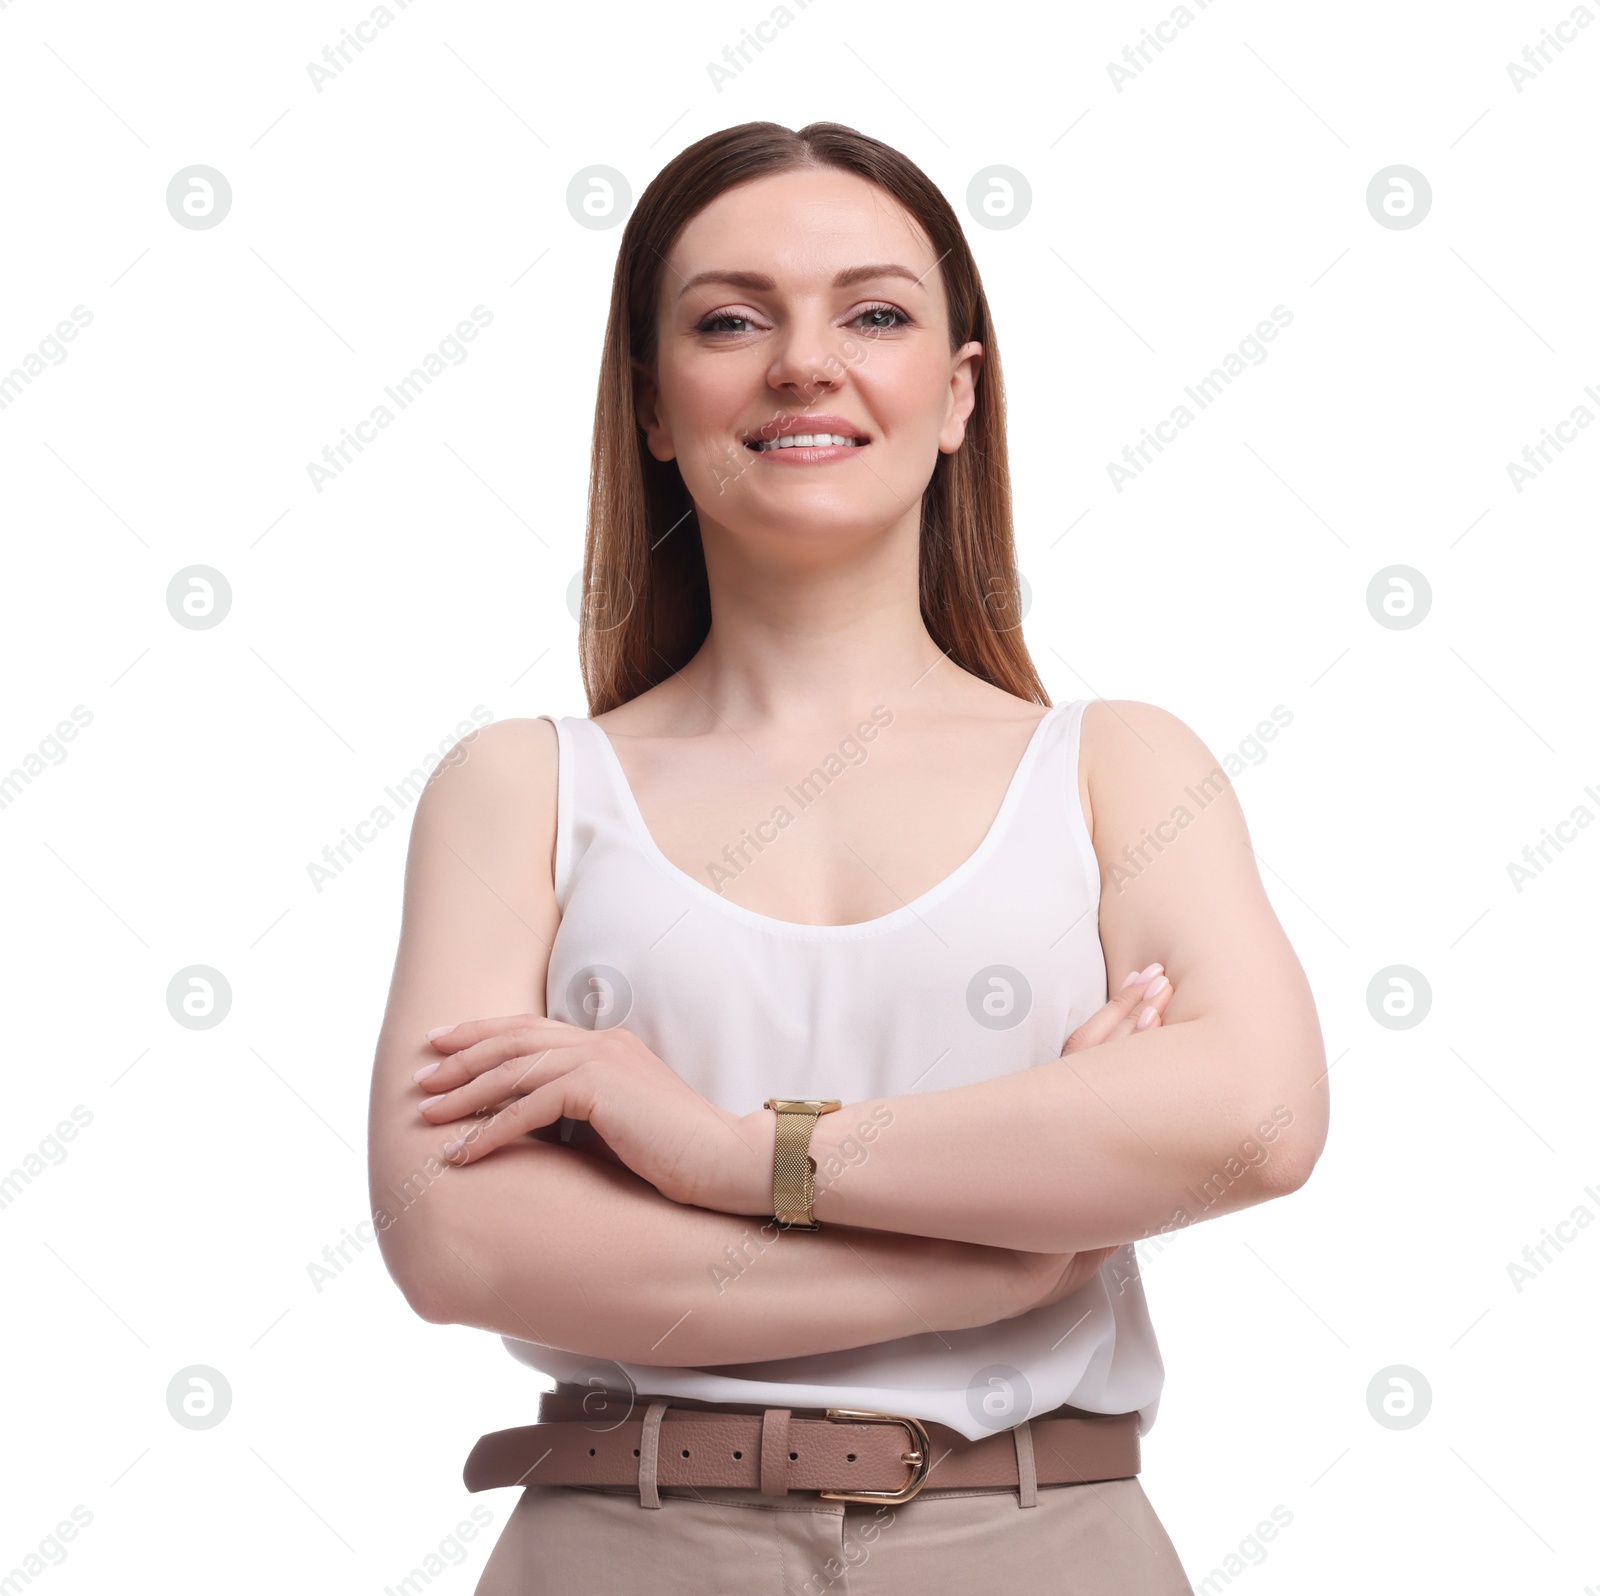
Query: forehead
[799, 227]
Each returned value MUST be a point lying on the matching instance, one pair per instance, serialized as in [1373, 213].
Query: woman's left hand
[1140, 1004]
[533, 1071]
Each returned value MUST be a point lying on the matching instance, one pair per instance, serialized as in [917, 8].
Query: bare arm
[551, 1244]
[1223, 1106]
[577, 1252]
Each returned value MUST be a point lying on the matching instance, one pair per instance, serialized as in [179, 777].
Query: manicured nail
[439, 1030]
[1129, 982]
[1156, 987]
[428, 1102]
[1147, 972]
[1145, 1020]
[427, 1070]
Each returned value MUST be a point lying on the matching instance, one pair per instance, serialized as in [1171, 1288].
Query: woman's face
[805, 304]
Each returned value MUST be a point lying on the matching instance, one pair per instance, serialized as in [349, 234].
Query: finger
[504, 1082]
[472, 1059]
[1118, 1013]
[1156, 997]
[1121, 1016]
[477, 1138]
[447, 1039]
[1144, 1013]
[480, 1137]
[1161, 1000]
[1122, 1003]
[451, 1038]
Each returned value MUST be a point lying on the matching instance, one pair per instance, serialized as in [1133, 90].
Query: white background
[367, 620]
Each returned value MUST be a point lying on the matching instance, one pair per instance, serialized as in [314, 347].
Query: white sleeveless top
[984, 974]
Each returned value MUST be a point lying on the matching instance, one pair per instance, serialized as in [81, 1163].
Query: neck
[801, 640]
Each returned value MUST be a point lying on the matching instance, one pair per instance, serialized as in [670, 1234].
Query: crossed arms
[1223, 1106]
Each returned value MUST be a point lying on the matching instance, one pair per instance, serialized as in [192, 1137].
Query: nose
[808, 359]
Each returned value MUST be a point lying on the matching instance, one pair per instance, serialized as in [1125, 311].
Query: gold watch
[793, 1167]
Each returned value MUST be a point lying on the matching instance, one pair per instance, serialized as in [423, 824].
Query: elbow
[424, 1235]
[1287, 1170]
[412, 1254]
[426, 1299]
[423, 1290]
[1283, 1141]
[1284, 1147]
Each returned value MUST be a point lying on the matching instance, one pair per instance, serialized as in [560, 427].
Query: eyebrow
[759, 283]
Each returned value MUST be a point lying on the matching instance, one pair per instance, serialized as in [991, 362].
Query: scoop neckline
[908, 913]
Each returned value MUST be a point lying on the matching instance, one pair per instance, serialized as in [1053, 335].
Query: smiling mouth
[806, 440]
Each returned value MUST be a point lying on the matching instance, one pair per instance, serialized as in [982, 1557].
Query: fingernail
[1157, 987]
[428, 1102]
[1129, 982]
[1145, 1020]
[455, 1146]
[1144, 974]
[427, 1070]
[439, 1030]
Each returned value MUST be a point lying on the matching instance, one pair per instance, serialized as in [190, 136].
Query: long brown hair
[647, 607]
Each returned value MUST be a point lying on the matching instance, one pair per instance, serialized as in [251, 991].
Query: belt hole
[738, 1454]
[850, 1457]
[686, 1451]
[591, 1451]
[793, 1456]
[636, 1451]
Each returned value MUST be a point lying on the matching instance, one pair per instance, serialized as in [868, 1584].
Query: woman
[823, 842]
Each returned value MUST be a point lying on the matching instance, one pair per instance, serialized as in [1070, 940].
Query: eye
[713, 323]
[883, 310]
[878, 318]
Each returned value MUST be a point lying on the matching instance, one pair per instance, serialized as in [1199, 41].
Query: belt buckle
[920, 1457]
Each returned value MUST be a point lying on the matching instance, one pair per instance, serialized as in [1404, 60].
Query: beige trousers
[1099, 1539]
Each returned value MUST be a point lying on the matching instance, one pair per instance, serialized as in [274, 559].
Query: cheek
[904, 392]
[709, 390]
[703, 410]
[708, 406]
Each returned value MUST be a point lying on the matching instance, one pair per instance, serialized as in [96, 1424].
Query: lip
[786, 426]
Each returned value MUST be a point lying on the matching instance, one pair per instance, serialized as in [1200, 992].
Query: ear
[647, 410]
[963, 396]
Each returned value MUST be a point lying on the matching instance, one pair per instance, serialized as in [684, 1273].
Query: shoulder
[661, 710]
[1140, 757]
[495, 789]
[1125, 729]
[503, 756]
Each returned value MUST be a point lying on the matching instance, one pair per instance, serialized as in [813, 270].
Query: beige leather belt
[846, 1454]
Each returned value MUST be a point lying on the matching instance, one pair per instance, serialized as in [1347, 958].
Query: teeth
[805, 440]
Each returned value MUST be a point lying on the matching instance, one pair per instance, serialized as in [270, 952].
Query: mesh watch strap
[793, 1167]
